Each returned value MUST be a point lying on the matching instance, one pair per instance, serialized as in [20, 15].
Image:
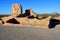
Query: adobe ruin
[28, 18]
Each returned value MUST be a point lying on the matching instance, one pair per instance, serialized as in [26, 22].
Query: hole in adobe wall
[14, 21]
[53, 23]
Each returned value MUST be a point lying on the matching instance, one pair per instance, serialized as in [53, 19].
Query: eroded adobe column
[16, 10]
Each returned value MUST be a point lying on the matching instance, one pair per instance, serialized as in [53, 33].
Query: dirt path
[29, 33]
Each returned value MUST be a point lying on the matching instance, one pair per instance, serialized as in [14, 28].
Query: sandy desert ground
[29, 33]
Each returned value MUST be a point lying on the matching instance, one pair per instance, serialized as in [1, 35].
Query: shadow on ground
[53, 23]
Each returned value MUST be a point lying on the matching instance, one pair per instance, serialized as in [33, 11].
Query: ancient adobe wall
[28, 18]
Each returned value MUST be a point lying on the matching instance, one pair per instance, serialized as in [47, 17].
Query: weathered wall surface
[35, 22]
[16, 10]
[5, 19]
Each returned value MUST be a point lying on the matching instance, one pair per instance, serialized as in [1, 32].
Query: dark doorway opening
[13, 20]
[53, 23]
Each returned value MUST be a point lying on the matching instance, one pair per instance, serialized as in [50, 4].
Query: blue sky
[38, 6]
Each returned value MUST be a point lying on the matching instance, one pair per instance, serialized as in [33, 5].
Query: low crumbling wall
[35, 22]
[5, 19]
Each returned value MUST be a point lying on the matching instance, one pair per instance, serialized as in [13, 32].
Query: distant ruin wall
[28, 19]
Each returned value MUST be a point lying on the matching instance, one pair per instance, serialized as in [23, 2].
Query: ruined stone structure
[30, 13]
[28, 18]
[16, 10]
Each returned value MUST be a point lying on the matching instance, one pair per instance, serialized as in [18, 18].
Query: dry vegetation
[3, 16]
[46, 15]
[39, 15]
